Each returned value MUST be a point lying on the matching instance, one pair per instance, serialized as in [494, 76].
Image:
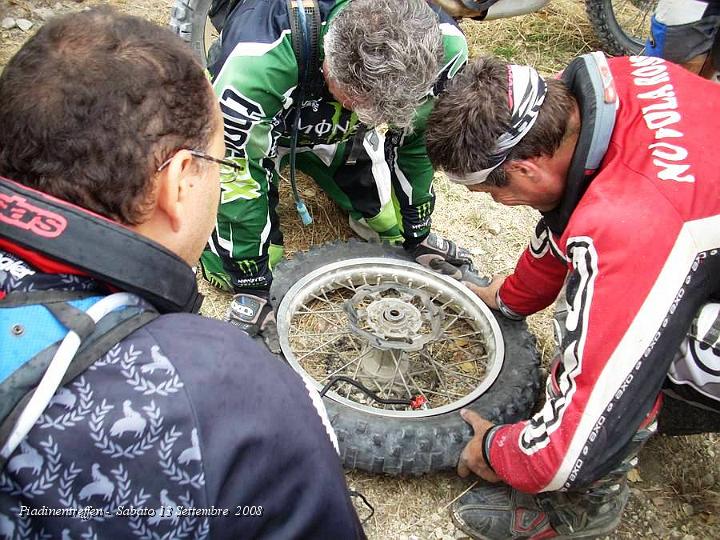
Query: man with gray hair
[352, 105]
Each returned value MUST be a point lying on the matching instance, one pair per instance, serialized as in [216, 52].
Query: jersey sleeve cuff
[505, 310]
[487, 441]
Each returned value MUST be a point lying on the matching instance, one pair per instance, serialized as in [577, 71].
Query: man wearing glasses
[110, 148]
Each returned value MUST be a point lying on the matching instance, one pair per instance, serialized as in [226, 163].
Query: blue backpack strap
[37, 311]
[28, 324]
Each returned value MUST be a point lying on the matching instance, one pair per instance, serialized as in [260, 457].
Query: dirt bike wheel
[393, 441]
[189, 20]
[621, 25]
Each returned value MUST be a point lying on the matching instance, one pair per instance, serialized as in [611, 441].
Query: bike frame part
[513, 8]
[498, 10]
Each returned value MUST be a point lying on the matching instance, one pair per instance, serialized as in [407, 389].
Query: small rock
[659, 501]
[24, 24]
[688, 537]
[44, 13]
[57, 6]
[492, 228]
[708, 479]
[688, 509]
[639, 494]
[438, 533]
[8, 23]
[658, 530]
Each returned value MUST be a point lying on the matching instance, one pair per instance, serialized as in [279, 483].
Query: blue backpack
[47, 338]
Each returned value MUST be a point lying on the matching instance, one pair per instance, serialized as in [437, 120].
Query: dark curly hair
[473, 112]
[92, 104]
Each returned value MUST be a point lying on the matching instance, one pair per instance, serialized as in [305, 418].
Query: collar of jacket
[591, 82]
[57, 237]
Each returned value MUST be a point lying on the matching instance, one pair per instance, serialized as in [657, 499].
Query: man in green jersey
[369, 86]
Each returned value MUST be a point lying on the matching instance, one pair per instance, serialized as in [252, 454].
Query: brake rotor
[393, 317]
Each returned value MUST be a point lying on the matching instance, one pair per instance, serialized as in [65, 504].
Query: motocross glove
[254, 315]
[441, 255]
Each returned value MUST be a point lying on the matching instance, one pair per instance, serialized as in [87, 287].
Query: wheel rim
[396, 327]
[633, 19]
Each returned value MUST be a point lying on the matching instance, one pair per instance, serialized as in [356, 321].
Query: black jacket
[185, 416]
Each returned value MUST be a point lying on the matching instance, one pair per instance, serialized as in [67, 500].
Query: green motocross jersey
[255, 77]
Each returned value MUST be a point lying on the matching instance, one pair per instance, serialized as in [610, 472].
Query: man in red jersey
[617, 157]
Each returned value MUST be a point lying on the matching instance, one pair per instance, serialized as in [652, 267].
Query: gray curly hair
[385, 55]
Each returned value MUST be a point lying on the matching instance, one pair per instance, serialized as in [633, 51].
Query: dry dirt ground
[675, 489]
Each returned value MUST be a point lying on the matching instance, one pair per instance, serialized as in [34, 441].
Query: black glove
[442, 256]
[254, 315]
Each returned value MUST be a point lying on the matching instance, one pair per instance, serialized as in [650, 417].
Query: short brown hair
[473, 112]
[92, 104]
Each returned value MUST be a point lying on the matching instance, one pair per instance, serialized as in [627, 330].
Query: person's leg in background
[247, 241]
[683, 31]
[241, 252]
[348, 179]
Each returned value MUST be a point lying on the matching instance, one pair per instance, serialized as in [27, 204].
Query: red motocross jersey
[637, 255]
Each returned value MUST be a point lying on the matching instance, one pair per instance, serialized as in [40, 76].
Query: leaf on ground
[634, 476]
[468, 367]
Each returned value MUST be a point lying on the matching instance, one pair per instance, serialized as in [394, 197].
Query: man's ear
[526, 168]
[173, 187]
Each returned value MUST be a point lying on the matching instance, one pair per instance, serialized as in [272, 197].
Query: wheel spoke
[391, 384]
[321, 346]
[435, 369]
[338, 323]
[316, 311]
[325, 300]
[331, 375]
[300, 334]
[424, 391]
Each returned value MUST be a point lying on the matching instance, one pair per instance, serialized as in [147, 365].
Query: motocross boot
[500, 512]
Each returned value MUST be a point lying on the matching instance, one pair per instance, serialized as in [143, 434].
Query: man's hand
[254, 315]
[487, 294]
[471, 459]
[442, 256]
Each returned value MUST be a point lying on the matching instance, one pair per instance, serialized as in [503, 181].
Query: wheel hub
[382, 367]
[393, 317]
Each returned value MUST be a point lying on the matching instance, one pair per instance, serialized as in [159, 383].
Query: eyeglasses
[208, 157]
